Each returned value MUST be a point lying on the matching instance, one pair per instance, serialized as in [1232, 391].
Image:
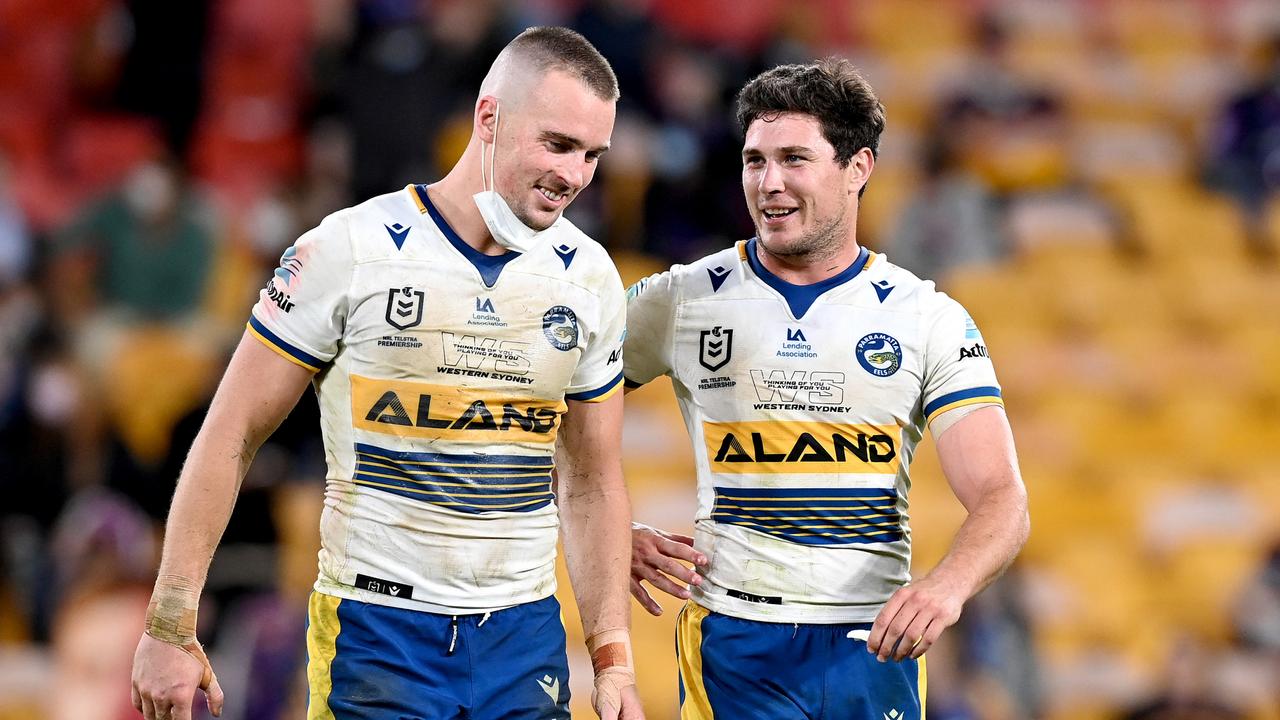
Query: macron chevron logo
[398, 234]
[883, 288]
[718, 275]
[566, 254]
[551, 686]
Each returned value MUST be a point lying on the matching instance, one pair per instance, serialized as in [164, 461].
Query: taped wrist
[614, 668]
[171, 614]
[171, 618]
[610, 648]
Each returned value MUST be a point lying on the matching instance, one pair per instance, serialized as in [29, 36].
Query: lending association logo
[404, 307]
[486, 314]
[715, 347]
[879, 354]
[560, 326]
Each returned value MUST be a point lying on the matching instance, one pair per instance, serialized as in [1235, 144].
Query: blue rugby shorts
[371, 662]
[747, 670]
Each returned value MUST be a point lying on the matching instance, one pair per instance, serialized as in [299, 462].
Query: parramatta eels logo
[879, 354]
[560, 326]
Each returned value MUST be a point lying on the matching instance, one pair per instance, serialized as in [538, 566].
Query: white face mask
[507, 229]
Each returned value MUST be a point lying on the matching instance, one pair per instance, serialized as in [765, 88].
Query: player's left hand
[615, 696]
[914, 617]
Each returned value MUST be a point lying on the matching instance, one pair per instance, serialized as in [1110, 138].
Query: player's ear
[859, 170]
[486, 118]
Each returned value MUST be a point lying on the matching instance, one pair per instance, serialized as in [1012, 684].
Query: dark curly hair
[831, 90]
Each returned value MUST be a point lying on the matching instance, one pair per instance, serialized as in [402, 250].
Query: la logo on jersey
[404, 307]
[715, 347]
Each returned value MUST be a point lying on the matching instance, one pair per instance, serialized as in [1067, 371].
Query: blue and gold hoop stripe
[282, 348]
[960, 398]
[467, 483]
[813, 516]
[600, 394]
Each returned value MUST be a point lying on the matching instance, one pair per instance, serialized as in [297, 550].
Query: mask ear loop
[487, 183]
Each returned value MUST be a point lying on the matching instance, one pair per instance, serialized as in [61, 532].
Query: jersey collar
[801, 297]
[489, 266]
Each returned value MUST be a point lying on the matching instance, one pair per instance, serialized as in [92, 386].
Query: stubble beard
[822, 244]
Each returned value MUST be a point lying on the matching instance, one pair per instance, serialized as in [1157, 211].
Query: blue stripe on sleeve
[590, 394]
[274, 339]
[960, 395]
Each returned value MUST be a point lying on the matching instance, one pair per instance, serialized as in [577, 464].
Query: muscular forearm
[596, 522]
[203, 502]
[256, 394]
[986, 542]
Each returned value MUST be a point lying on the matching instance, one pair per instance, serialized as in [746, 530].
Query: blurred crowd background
[1094, 179]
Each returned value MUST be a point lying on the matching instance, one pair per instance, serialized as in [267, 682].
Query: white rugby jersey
[442, 375]
[804, 405]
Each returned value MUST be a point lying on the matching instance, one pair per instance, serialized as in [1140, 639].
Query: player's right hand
[165, 679]
[656, 556]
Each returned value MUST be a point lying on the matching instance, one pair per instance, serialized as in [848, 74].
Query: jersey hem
[347, 592]
[759, 612]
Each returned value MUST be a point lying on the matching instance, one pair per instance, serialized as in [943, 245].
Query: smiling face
[803, 203]
[548, 146]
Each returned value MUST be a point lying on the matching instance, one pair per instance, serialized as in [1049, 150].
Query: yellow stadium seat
[910, 28]
[157, 376]
[1176, 218]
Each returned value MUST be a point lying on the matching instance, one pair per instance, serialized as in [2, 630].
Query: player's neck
[808, 269]
[452, 196]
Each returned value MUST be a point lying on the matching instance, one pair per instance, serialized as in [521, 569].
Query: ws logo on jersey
[817, 391]
[784, 447]
[485, 357]
[439, 412]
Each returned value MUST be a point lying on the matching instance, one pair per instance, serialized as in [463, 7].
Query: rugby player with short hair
[455, 334]
[807, 369]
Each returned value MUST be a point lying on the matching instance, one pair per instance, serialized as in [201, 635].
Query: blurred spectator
[1257, 613]
[104, 553]
[987, 666]
[1189, 692]
[950, 221]
[624, 32]
[1244, 149]
[167, 51]
[15, 239]
[145, 252]
[93, 654]
[43, 460]
[1001, 125]
[101, 541]
[20, 312]
[405, 71]
[695, 204]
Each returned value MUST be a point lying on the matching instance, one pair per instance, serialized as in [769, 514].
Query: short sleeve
[301, 313]
[599, 372]
[958, 370]
[650, 316]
